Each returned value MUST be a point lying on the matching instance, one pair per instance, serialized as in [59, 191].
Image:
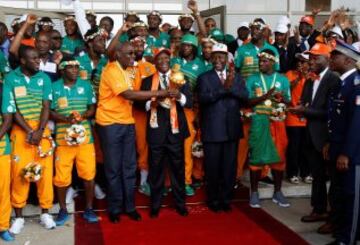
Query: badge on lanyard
[62, 102]
[20, 91]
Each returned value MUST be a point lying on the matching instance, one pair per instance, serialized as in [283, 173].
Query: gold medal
[268, 103]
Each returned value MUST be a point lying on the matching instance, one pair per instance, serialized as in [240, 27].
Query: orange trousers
[141, 142]
[5, 204]
[23, 154]
[190, 117]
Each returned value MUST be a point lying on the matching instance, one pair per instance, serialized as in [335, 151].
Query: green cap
[229, 38]
[217, 34]
[190, 39]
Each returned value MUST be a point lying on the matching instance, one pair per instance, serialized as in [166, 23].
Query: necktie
[222, 77]
[303, 45]
[165, 81]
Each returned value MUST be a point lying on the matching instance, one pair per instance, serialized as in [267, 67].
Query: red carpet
[242, 226]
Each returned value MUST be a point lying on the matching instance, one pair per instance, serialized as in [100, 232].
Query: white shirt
[182, 99]
[223, 74]
[317, 83]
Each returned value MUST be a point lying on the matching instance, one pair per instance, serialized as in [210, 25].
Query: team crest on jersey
[195, 66]
[80, 90]
[277, 85]
[40, 82]
[164, 42]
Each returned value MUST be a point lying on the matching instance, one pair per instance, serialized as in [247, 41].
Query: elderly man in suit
[166, 131]
[221, 94]
[314, 108]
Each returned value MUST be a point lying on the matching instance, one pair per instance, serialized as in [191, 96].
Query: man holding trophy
[166, 131]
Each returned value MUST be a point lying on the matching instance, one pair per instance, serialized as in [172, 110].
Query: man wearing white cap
[281, 42]
[243, 32]
[221, 93]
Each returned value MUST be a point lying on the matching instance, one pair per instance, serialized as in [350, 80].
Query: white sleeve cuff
[182, 100]
[148, 105]
[80, 17]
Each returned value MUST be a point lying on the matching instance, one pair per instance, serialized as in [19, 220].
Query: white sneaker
[47, 221]
[17, 226]
[294, 180]
[99, 194]
[70, 195]
[308, 179]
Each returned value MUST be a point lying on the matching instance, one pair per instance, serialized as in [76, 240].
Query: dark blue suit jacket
[344, 119]
[220, 119]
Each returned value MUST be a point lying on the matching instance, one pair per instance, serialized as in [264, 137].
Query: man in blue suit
[344, 150]
[221, 94]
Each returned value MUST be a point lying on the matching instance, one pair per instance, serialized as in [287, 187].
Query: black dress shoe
[214, 208]
[154, 213]
[114, 218]
[226, 208]
[182, 211]
[134, 215]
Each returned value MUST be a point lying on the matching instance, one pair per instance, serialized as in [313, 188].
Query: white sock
[143, 176]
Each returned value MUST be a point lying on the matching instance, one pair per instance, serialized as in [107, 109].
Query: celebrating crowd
[179, 109]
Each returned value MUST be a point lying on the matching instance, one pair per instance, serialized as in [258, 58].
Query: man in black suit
[314, 108]
[166, 133]
[221, 93]
[303, 40]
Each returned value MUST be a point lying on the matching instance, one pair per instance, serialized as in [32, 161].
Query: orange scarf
[173, 112]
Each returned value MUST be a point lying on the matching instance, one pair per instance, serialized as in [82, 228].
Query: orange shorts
[65, 156]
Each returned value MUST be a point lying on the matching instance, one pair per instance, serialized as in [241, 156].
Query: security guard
[344, 150]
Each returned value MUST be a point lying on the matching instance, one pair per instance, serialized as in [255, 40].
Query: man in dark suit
[314, 108]
[221, 93]
[166, 131]
[303, 40]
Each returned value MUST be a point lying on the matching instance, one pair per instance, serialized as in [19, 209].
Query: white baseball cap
[337, 30]
[219, 47]
[281, 28]
[284, 20]
[244, 24]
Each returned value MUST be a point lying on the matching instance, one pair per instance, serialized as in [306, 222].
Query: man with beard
[221, 93]
[116, 130]
[192, 67]
[166, 132]
[156, 37]
[32, 89]
[307, 37]
[267, 136]
[314, 108]
[71, 94]
[140, 70]
[73, 39]
[92, 60]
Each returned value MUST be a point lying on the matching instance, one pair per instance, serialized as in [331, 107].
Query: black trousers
[220, 161]
[318, 171]
[162, 157]
[118, 146]
[296, 164]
